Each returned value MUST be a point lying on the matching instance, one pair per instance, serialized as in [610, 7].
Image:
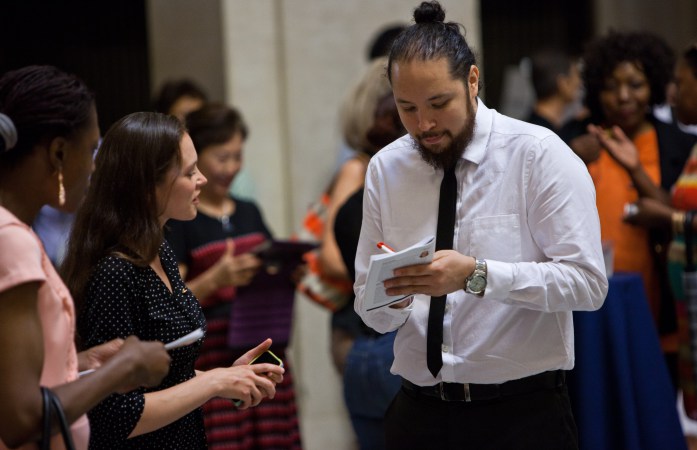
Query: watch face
[477, 284]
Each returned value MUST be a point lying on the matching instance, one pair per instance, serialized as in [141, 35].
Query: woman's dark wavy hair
[43, 103]
[431, 38]
[119, 216]
[647, 51]
[214, 124]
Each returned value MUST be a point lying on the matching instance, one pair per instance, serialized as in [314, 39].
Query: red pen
[385, 248]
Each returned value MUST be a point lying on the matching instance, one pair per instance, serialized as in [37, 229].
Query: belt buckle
[465, 387]
[468, 397]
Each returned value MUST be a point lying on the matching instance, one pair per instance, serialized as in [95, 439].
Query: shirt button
[447, 307]
[445, 348]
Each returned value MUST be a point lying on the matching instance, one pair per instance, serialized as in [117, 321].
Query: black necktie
[444, 240]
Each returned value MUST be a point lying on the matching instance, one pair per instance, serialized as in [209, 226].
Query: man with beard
[486, 333]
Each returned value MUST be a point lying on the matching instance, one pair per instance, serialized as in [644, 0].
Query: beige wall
[674, 20]
[184, 40]
[286, 65]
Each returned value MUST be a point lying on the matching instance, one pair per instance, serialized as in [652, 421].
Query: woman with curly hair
[625, 75]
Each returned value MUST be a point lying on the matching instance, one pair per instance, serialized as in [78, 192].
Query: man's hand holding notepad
[382, 268]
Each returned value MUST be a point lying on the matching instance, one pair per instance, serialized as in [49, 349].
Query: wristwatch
[476, 282]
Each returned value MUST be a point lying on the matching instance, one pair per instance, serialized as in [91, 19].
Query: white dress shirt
[526, 205]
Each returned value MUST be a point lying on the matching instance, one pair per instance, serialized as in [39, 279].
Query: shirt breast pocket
[496, 237]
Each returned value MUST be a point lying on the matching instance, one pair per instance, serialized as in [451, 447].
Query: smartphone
[266, 357]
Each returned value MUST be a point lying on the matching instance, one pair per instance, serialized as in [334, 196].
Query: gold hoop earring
[61, 188]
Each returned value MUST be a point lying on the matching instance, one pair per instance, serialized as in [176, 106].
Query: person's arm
[112, 310]
[563, 220]
[622, 150]
[381, 320]
[651, 213]
[562, 217]
[241, 381]
[135, 363]
[349, 180]
[21, 339]
[22, 348]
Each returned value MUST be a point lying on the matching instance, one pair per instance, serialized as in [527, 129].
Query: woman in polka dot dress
[125, 281]
[211, 260]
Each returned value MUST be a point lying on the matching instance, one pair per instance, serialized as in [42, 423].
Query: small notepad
[382, 268]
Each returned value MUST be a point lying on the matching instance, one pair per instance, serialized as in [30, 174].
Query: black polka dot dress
[122, 300]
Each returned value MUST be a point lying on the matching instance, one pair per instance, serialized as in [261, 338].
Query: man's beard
[448, 157]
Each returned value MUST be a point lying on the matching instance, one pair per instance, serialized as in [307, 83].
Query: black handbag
[53, 405]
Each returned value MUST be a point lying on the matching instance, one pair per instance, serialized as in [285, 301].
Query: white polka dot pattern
[122, 300]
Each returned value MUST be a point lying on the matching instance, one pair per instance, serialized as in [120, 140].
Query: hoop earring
[61, 188]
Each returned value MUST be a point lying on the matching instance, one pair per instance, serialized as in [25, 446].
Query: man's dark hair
[431, 38]
[648, 52]
[547, 66]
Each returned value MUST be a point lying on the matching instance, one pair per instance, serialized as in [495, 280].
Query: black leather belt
[458, 392]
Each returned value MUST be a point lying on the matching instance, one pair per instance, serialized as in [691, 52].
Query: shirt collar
[482, 129]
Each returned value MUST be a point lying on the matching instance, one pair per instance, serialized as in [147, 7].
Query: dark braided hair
[650, 54]
[431, 38]
[43, 103]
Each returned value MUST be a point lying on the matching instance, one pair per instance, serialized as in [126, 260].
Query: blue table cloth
[620, 388]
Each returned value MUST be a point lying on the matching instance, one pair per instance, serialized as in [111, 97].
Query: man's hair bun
[429, 12]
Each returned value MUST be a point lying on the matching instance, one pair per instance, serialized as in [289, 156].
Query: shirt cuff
[499, 280]
[386, 319]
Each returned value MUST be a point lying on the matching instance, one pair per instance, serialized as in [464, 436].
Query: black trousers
[540, 420]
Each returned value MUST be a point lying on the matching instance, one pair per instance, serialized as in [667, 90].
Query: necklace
[222, 214]
[225, 222]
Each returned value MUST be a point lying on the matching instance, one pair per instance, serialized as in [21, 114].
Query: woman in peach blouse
[48, 133]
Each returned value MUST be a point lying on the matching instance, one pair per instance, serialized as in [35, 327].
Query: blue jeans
[369, 387]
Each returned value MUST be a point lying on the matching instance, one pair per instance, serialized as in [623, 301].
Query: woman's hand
[94, 357]
[145, 363]
[231, 270]
[618, 146]
[248, 383]
[253, 353]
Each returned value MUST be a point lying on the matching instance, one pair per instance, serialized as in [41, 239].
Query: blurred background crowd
[286, 103]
